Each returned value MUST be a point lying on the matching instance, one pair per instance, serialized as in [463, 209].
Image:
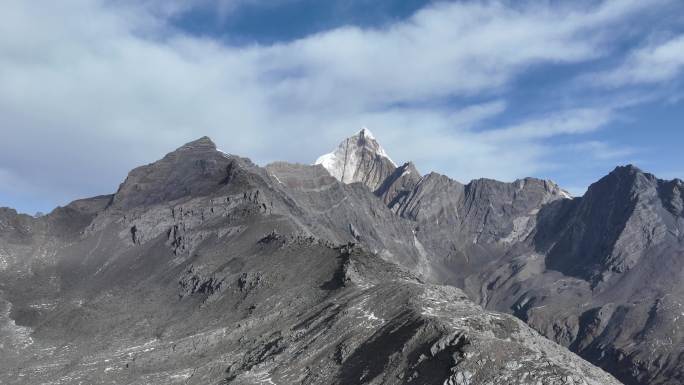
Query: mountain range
[205, 268]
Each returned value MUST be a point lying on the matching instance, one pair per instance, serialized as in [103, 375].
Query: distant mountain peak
[366, 133]
[627, 169]
[626, 178]
[359, 158]
[204, 142]
[194, 168]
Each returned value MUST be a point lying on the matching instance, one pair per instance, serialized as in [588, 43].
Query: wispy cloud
[604, 151]
[568, 122]
[653, 63]
[448, 49]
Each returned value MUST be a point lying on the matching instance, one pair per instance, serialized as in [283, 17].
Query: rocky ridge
[599, 274]
[205, 268]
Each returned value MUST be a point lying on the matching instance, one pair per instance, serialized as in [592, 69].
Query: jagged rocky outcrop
[465, 227]
[623, 302]
[620, 218]
[206, 268]
[397, 187]
[589, 273]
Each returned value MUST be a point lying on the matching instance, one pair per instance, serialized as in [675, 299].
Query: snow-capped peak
[359, 158]
[366, 133]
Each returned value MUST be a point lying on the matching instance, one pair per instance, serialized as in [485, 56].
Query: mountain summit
[359, 158]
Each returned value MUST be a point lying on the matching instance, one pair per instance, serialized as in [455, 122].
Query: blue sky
[500, 89]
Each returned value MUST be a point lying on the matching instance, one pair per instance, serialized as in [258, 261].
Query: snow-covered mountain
[359, 158]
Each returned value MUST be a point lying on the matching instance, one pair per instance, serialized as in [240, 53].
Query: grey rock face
[397, 187]
[194, 169]
[465, 227]
[624, 238]
[329, 209]
[621, 217]
[236, 278]
[590, 273]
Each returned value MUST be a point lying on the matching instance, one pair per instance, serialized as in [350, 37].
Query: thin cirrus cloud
[222, 7]
[653, 63]
[94, 88]
[574, 121]
[447, 49]
[601, 150]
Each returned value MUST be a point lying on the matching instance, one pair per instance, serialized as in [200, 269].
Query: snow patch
[366, 133]
[565, 194]
[182, 375]
[276, 178]
[327, 160]
[370, 320]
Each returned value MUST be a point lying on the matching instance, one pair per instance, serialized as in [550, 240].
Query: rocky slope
[205, 268]
[599, 274]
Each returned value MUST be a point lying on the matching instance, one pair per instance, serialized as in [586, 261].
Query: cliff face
[599, 274]
[620, 218]
[206, 268]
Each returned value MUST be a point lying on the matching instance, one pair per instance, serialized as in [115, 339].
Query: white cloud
[654, 63]
[93, 88]
[443, 50]
[573, 121]
[604, 151]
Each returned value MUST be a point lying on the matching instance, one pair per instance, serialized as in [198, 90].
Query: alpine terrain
[204, 268]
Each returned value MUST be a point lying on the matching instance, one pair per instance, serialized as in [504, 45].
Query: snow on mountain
[359, 158]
